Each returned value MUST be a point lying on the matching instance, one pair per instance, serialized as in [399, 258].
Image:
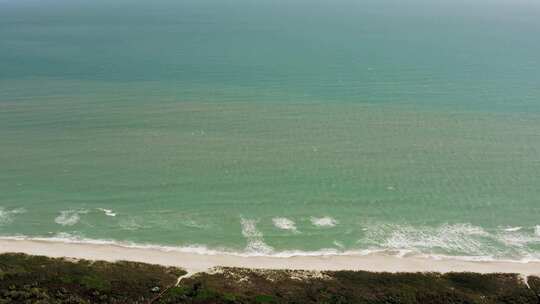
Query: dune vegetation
[37, 279]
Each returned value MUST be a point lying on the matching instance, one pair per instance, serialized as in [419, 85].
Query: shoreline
[195, 262]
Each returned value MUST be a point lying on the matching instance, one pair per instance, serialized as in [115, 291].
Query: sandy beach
[194, 262]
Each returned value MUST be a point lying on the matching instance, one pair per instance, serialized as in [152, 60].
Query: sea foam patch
[69, 217]
[512, 229]
[254, 237]
[325, 222]
[284, 224]
[108, 212]
[6, 216]
[537, 230]
[462, 238]
[520, 240]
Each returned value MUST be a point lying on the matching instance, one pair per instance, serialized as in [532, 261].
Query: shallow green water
[266, 127]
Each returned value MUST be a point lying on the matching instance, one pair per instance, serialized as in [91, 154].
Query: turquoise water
[273, 127]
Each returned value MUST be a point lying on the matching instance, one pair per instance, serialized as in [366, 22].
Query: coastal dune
[194, 262]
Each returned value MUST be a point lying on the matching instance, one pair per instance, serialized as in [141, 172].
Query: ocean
[273, 127]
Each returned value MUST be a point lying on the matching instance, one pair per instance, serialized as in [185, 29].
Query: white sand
[193, 262]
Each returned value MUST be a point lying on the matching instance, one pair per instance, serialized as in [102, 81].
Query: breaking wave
[69, 217]
[108, 212]
[284, 224]
[512, 229]
[519, 240]
[451, 238]
[254, 238]
[449, 241]
[204, 250]
[325, 221]
[6, 216]
[456, 240]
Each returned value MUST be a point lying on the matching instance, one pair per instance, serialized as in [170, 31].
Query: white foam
[284, 223]
[401, 253]
[108, 212]
[69, 217]
[453, 238]
[64, 237]
[6, 216]
[519, 240]
[466, 241]
[325, 221]
[485, 258]
[203, 250]
[254, 238]
[195, 248]
[512, 229]
[537, 230]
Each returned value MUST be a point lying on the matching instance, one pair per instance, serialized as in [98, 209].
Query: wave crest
[512, 229]
[108, 212]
